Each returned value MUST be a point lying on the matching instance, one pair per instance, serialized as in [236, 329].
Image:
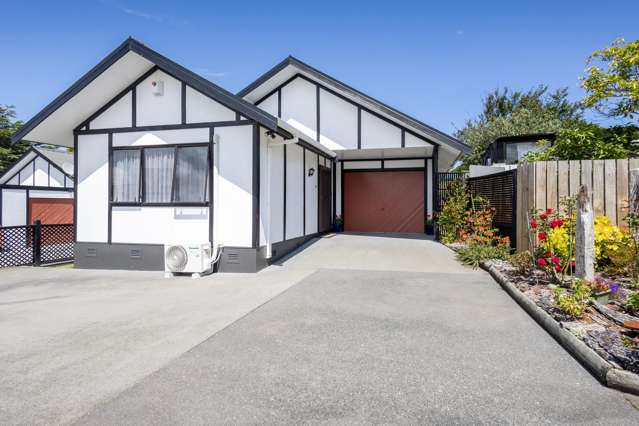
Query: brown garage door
[388, 201]
[51, 211]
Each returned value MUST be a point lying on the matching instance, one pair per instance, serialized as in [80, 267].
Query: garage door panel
[384, 201]
[51, 210]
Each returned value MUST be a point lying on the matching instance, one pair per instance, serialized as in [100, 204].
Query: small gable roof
[61, 160]
[291, 66]
[55, 123]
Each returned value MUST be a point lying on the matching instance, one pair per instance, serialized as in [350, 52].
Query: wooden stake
[585, 236]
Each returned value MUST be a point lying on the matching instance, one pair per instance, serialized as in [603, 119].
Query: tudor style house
[39, 185]
[163, 156]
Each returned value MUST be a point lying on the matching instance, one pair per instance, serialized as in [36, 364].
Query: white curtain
[158, 178]
[126, 175]
[192, 175]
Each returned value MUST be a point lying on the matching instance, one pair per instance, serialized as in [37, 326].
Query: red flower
[558, 268]
[533, 223]
[556, 223]
[543, 216]
[549, 211]
[555, 260]
[548, 254]
[541, 235]
[541, 262]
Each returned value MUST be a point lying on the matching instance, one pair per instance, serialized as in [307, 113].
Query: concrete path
[70, 339]
[354, 329]
[348, 346]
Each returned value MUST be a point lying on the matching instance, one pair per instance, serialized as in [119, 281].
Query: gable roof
[63, 161]
[288, 68]
[108, 78]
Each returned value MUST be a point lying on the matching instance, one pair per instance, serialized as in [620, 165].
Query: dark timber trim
[211, 185]
[435, 166]
[359, 128]
[359, 107]
[317, 184]
[130, 88]
[134, 107]
[403, 138]
[326, 79]
[183, 103]
[161, 127]
[256, 186]
[198, 83]
[334, 176]
[37, 153]
[28, 208]
[38, 188]
[110, 190]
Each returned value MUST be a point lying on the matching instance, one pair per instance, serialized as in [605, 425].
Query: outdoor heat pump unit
[194, 259]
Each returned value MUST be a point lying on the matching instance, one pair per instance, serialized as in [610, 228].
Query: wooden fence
[543, 184]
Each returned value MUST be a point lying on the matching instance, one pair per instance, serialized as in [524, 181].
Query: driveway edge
[604, 371]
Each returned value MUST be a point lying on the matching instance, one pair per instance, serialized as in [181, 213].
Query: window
[171, 175]
[126, 176]
[515, 151]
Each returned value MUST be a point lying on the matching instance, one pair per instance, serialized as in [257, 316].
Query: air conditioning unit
[192, 259]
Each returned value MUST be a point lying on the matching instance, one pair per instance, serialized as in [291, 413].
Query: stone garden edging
[605, 372]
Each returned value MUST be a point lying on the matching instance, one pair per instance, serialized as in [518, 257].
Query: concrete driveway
[357, 329]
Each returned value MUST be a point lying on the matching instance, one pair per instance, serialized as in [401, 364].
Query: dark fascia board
[527, 137]
[396, 114]
[22, 157]
[201, 84]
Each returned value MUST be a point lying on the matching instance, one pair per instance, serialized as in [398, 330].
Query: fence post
[37, 242]
[585, 236]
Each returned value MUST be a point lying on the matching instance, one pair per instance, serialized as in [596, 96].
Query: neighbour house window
[171, 175]
[515, 151]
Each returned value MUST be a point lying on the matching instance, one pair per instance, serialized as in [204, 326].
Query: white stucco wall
[299, 106]
[160, 225]
[412, 141]
[26, 175]
[234, 162]
[202, 109]
[311, 193]
[50, 194]
[14, 207]
[338, 122]
[161, 137]
[93, 188]
[398, 164]
[117, 115]
[276, 187]
[354, 165]
[377, 133]
[41, 177]
[294, 192]
[56, 178]
[154, 110]
[270, 104]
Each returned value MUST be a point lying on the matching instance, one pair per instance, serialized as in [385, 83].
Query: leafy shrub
[632, 304]
[475, 253]
[523, 261]
[609, 239]
[451, 219]
[573, 303]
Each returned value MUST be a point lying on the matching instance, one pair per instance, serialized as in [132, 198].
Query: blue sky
[431, 60]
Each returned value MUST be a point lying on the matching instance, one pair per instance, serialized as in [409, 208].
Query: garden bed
[598, 338]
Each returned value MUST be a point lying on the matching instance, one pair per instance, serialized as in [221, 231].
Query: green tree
[509, 113]
[590, 142]
[9, 153]
[612, 80]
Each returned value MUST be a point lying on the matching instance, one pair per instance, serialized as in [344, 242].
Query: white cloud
[160, 19]
[213, 75]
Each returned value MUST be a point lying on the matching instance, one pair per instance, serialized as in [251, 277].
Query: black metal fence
[36, 244]
[500, 189]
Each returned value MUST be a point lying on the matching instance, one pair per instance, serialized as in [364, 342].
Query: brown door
[51, 211]
[324, 198]
[384, 201]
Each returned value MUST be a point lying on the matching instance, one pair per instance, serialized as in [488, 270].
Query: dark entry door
[384, 201]
[324, 198]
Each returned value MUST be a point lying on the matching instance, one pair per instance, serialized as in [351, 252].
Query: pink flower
[555, 260]
[541, 262]
[558, 268]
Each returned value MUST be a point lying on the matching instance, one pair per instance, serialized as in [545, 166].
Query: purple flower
[614, 288]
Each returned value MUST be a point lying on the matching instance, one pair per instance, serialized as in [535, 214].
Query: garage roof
[55, 123]
[291, 66]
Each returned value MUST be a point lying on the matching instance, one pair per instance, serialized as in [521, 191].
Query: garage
[384, 201]
[51, 210]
